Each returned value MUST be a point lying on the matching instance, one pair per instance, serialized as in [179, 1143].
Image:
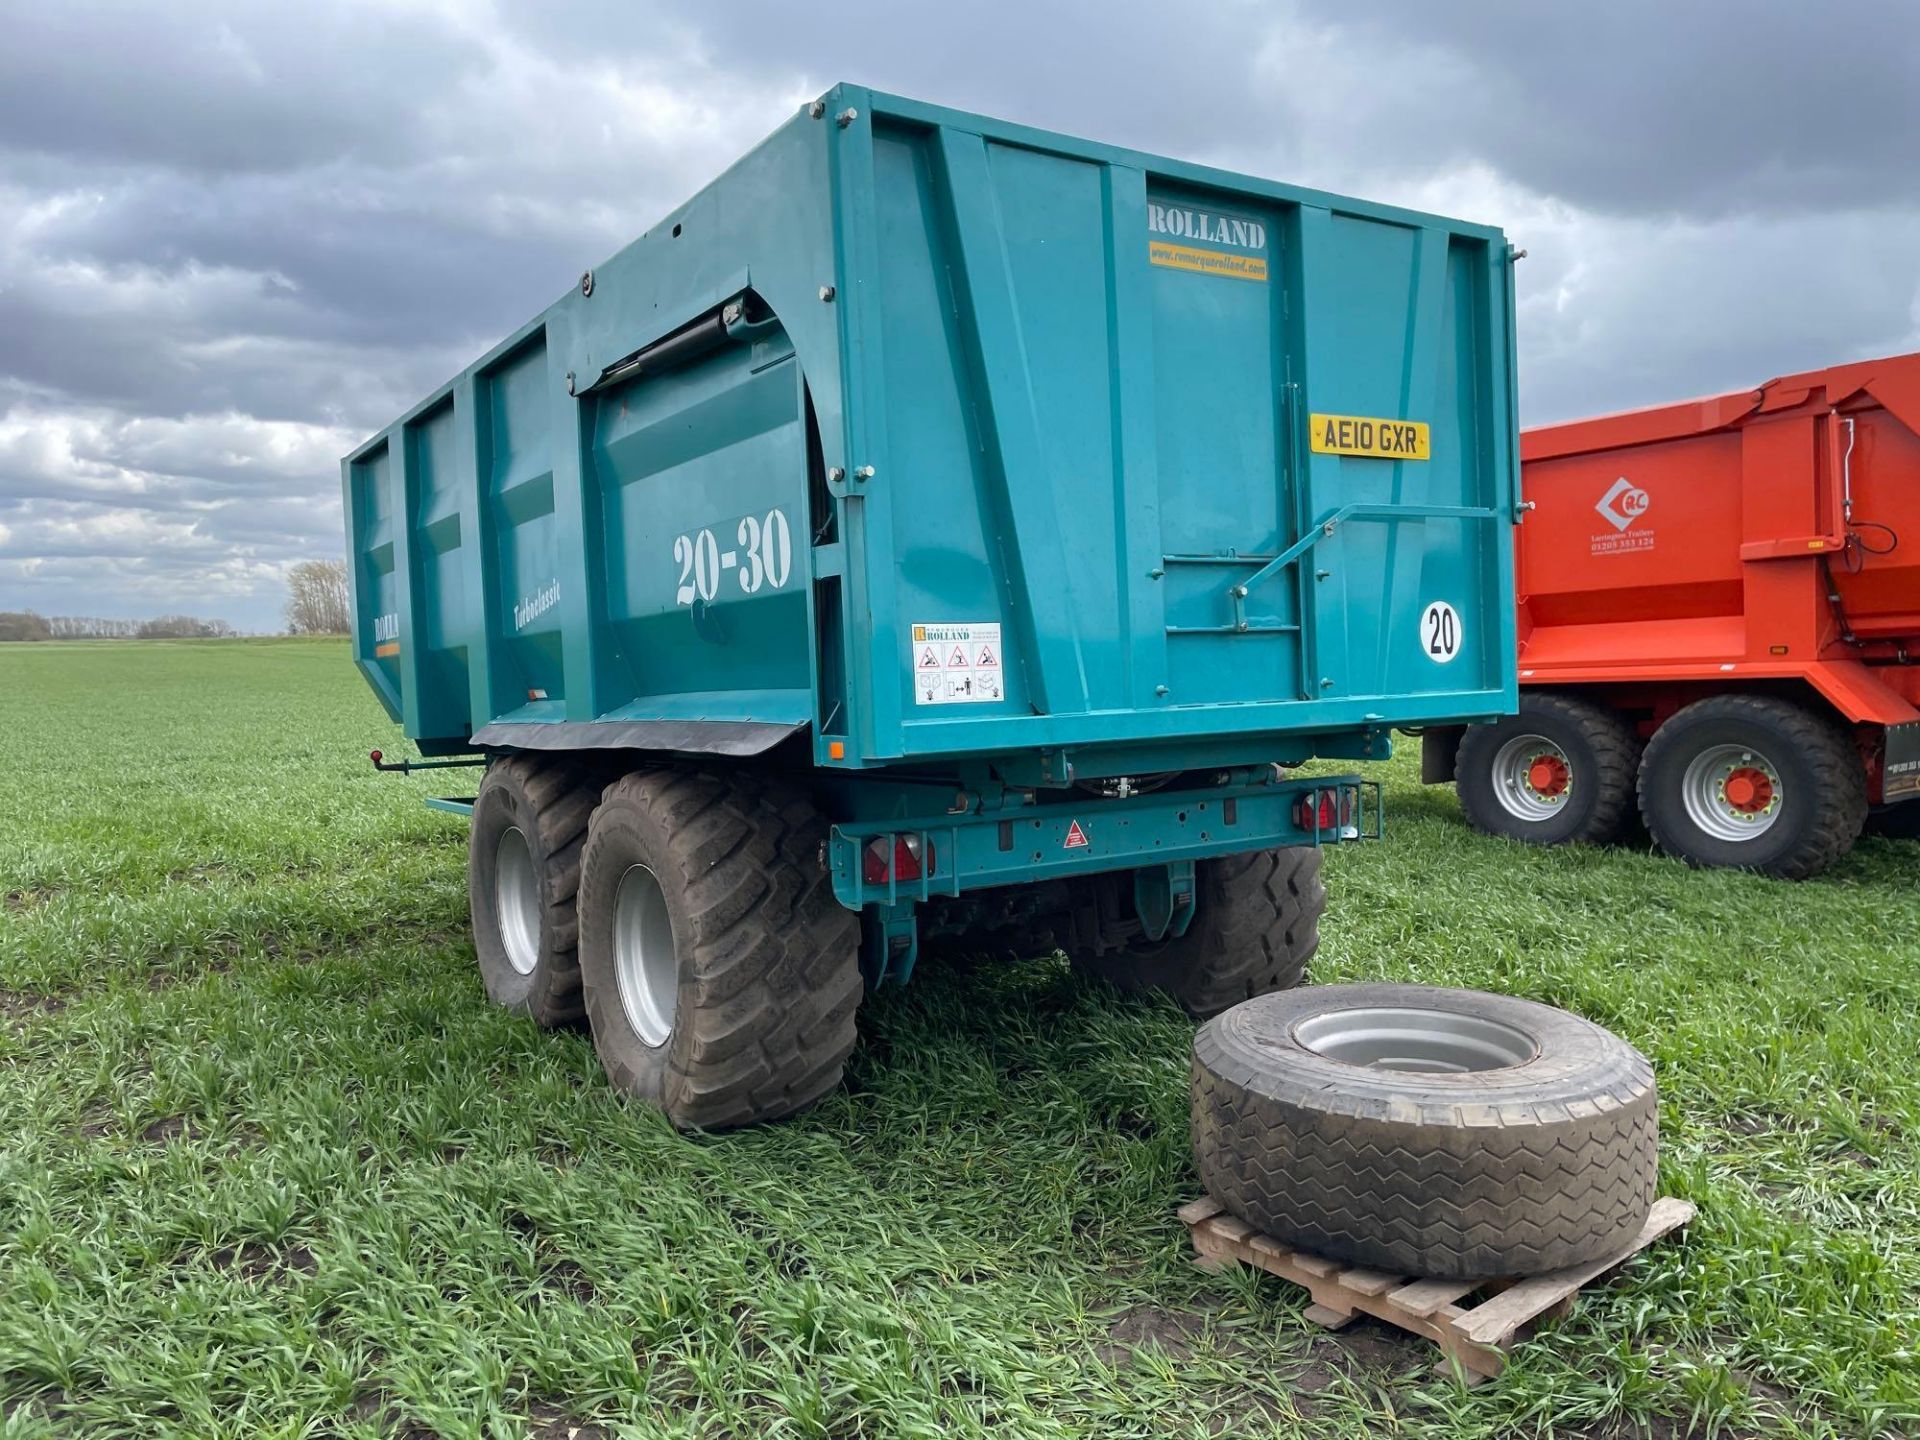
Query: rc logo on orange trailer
[1623, 504]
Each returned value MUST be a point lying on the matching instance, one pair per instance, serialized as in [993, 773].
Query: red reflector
[878, 863]
[1321, 810]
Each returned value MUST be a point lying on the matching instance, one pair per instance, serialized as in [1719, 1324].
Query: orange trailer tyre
[1560, 771]
[1754, 783]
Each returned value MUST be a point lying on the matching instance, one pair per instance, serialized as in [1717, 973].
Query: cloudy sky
[236, 238]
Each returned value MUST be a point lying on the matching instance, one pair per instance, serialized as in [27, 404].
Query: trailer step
[1475, 1337]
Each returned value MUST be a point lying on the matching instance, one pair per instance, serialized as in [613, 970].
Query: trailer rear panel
[942, 438]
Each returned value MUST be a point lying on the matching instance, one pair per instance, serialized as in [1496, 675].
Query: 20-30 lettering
[768, 559]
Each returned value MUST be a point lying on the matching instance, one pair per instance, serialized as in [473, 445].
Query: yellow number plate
[1363, 435]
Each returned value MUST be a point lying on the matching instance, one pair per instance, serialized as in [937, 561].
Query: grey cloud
[1639, 107]
[1626, 315]
[186, 87]
[1170, 79]
[151, 364]
[233, 239]
[1645, 107]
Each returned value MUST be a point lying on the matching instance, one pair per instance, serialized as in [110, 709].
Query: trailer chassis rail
[886, 868]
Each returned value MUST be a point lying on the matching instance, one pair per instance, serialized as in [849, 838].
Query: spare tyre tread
[1484, 1186]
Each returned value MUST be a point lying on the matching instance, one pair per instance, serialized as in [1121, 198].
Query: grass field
[273, 1165]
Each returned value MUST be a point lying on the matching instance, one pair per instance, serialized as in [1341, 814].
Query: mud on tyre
[1426, 1131]
[721, 974]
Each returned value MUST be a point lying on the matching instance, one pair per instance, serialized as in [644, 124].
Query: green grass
[273, 1166]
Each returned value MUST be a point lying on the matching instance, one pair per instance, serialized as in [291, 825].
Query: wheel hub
[1732, 792]
[1547, 775]
[1748, 790]
[1532, 778]
[516, 900]
[646, 967]
[1415, 1041]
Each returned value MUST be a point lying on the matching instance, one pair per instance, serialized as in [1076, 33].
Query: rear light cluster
[1325, 811]
[895, 857]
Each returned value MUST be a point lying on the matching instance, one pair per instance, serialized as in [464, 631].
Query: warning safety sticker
[956, 664]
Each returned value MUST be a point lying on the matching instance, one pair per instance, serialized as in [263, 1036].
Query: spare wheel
[1425, 1131]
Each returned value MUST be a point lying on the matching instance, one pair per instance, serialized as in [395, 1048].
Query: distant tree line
[25, 625]
[317, 604]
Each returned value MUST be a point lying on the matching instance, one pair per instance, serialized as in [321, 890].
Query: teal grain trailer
[939, 529]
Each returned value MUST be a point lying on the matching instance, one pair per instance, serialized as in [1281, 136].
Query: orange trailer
[1719, 626]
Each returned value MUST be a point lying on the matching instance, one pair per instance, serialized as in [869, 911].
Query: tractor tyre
[1753, 782]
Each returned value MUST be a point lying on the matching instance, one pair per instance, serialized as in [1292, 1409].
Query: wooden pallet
[1474, 1337]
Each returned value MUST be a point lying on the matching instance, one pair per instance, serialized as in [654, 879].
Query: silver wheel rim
[516, 900]
[1513, 780]
[1735, 818]
[645, 968]
[1412, 1040]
